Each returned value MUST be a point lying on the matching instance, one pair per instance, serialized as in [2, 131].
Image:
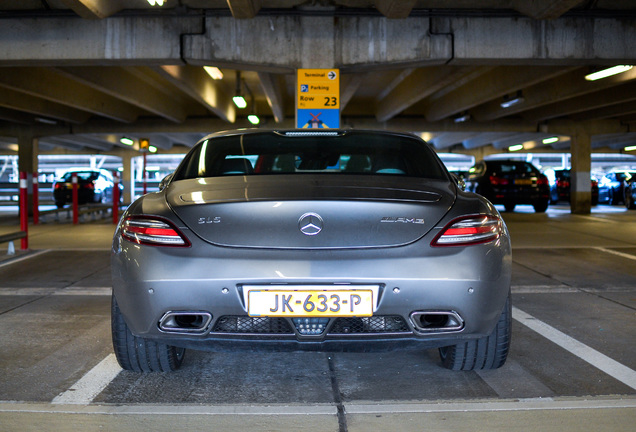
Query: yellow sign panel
[318, 88]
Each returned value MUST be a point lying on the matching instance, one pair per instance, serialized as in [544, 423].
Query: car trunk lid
[310, 212]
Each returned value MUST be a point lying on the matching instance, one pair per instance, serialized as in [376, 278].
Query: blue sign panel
[318, 118]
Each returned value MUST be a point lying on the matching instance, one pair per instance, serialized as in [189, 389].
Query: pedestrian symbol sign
[318, 98]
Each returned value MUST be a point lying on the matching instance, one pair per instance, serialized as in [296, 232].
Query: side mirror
[461, 184]
[164, 182]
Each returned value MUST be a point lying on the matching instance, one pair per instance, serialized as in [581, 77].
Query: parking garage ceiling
[79, 74]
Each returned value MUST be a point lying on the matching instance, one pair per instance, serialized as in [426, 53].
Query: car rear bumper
[473, 283]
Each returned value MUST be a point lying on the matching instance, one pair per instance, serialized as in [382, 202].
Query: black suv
[510, 183]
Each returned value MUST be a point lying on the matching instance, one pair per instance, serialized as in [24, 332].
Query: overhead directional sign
[318, 98]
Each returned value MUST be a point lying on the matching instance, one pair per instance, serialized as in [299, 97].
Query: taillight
[58, 186]
[542, 180]
[469, 230]
[498, 181]
[151, 230]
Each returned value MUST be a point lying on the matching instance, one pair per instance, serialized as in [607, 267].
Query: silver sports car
[324, 240]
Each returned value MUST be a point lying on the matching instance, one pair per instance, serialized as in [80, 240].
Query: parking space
[572, 362]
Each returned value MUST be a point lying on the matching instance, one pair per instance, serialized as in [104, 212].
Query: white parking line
[613, 252]
[611, 367]
[26, 257]
[90, 385]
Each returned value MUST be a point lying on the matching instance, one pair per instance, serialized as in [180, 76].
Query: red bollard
[115, 198]
[75, 199]
[24, 211]
[36, 200]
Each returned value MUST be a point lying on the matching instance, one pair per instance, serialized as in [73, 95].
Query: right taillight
[469, 230]
[498, 181]
[152, 231]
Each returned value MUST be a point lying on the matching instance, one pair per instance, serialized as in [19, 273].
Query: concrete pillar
[580, 181]
[28, 162]
[126, 175]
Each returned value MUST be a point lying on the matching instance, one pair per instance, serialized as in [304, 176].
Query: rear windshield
[81, 175]
[361, 153]
[514, 168]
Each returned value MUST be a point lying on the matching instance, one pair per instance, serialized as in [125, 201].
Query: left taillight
[152, 231]
[470, 230]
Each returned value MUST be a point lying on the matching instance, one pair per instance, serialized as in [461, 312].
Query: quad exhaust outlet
[436, 321]
[185, 322]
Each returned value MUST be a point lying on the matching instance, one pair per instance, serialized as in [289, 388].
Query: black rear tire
[629, 200]
[489, 352]
[510, 206]
[541, 207]
[139, 354]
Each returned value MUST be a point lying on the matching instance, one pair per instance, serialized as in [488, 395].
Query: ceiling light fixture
[630, 148]
[127, 141]
[152, 149]
[550, 140]
[46, 120]
[508, 102]
[615, 70]
[515, 148]
[462, 118]
[253, 118]
[155, 2]
[214, 72]
[238, 99]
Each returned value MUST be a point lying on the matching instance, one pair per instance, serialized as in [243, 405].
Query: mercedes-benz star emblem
[310, 224]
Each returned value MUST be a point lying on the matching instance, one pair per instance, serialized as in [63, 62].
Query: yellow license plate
[523, 182]
[306, 303]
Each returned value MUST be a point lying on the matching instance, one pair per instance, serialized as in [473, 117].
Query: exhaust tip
[185, 322]
[436, 321]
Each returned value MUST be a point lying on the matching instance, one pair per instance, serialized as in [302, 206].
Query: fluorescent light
[155, 2]
[239, 101]
[507, 103]
[462, 118]
[45, 120]
[214, 72]
[253, 118]
[152, 149]
[126, 140]
[515, 148]
[550, 140]
[630, 148]
[608, 72]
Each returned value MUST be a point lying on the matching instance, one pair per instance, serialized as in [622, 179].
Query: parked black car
[93, 186]
[510, 183]
[630, 194]
[611, 187]
[560, 182]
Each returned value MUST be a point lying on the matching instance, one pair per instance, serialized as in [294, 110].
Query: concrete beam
[67, 41]
[272, 88]
[55, 87]
[485, 138]
[545, 9]
[416, 87]
[571, 83]
[120, 84]
[395, 8]
[198, 84]
[94, 9]
[242, 9]
[284, 43]
[611, 96]
[39, 107]
[497, 83]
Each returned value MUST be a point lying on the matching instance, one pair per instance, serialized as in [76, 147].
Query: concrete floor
[572, 364]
